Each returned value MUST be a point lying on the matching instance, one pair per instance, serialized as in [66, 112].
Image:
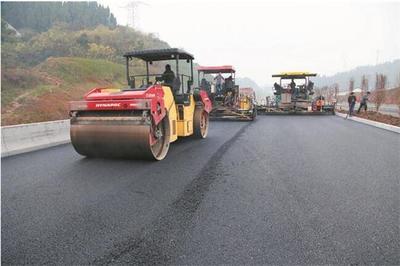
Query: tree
[351, 85]
[397, 93]
[336, 90]
[83, 40]
[7, 34]
[364, 85]
[380, 91]
[41, 16]
[100, 51]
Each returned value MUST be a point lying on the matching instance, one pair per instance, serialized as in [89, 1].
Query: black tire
[200, 123]
[160, 149]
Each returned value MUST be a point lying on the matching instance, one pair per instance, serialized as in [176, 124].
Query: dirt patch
[52, 105]
[383, 118]
[378, 117]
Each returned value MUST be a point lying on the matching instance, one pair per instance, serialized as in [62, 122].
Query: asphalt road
[281, 190]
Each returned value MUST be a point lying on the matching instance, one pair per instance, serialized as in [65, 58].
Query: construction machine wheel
[200, 123]
[125, 137]
[161, 133]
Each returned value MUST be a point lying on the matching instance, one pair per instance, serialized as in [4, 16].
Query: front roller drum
[120, 137]
[201, 123]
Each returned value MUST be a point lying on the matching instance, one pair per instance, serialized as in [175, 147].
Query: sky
[261, 38]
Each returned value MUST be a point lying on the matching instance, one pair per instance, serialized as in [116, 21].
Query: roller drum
[120, 137]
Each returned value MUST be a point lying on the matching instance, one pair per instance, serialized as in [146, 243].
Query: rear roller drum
[201, 123]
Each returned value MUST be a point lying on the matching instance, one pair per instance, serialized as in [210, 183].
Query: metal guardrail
[29, 137]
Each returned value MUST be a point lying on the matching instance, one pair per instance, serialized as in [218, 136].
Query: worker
[352, 102]
[320, 102]
[218, 84]
[293, 89]
[292, 84]
[205, 85]
[229, 83]
[168, 76]
[228, 101]
[278, 89]
[310, 87]
[363, 102]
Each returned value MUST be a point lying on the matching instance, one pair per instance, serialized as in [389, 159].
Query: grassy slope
[42, 93]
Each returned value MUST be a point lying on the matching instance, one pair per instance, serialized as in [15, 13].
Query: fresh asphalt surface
[281, 190]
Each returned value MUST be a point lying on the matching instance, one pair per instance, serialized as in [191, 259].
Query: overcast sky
[260, 38]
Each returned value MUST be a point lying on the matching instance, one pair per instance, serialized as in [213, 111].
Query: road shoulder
[371, 123]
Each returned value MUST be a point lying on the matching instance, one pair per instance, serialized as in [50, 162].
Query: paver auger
[141, 121]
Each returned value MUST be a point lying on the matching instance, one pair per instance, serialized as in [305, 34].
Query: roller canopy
[294, 75]
[216, 69]
[160, 54]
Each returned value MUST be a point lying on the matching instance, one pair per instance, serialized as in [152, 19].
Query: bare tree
[335, 93]
[364, 85]
[380, 91]
[329, 94]
[324, 92]
[397, 93]
[317, 91]
[351, 85]
[336, 89]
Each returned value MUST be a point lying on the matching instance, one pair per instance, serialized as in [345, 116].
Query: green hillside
[42, 92]
[41, 16]
[54, 52]
[50, 59]
[75, 70]
[60, 41]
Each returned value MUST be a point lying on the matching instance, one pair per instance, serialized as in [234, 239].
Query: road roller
[141, 120]
[228, 100]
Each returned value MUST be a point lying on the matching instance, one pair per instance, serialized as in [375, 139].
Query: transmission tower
[132, 9]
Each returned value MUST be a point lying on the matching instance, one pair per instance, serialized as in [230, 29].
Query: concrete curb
[30, 137]
[371, 123]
